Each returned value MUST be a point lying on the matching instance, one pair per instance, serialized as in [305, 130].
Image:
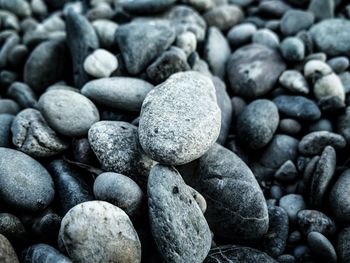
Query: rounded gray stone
[257, 123]
[241, 34]
[253, 70]
[294, 81]
[313, 220]
[117, 147]
[293, 49]
[42, 253]
[294, 21]
[97, 231]
[180, 119]
[68, 112]
[178, 226]
[321, 248]
[343, 241]
[32, 135]
[292, 203]
[5, 130]
[339, 198]
[124, 93]
[24, 183]
[7, 253]
[8, 106]
[224, 16]
[120, 191]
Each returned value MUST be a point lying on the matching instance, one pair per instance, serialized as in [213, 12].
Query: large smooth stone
[97, 231]
[253, 70]
[24, 183]
[180, 119]
[122, 93]
[178, 226]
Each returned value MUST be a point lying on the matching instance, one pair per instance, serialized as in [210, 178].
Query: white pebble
[100, 64]
[329, 85]
[187, 42]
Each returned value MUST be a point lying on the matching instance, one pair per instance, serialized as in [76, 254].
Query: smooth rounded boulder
[180, 119]
[178, 226]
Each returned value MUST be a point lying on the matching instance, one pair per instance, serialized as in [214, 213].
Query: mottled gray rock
[32, 135]
[313, 220]
[321, 248]
[257, 123]
[298, 107]
[105, 30]
[294, 21]
[216, 51]
[224, 16]
[8, 106]
[314, 142]
[241, 34]
[5, 130]
[339, 198]
[286, 258]
[253, 70]
[169, 62]
[42, 253]
[81, 40]
[339, 64]
[23, 94]
[71, 186]
[322, 176]
[275, 240]
[97, 231]
[120, 191]
[156, 37]
[100, 63]
[322, 9]
[19, 173]
[267, 38]
[180, 119]
[287, 172]
[45, 65]
[237, 254]
[293, 49]
[68, 112]
[233, 196]
[187, 42]
[294, 81]
[178, 226]
[12, 228]
[292, 204]
[343, 245]
[117, 147]
[7, 253]
[124, 93]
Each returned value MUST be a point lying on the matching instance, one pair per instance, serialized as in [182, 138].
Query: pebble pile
[175, 131]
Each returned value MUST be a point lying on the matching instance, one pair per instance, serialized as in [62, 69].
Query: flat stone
[180, 119]
[97, 231]
[178, 226]
[124, 93]
[253, 70]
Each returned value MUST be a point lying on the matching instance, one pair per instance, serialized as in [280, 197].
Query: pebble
[124, 93]
[329, 36]
[289, 126]
[82, 40]
[275, 240]
[117, 147]
[253, 70]
[13, 229]
[19, 173]
[329, 86]
[322, 9]
[309, 170]
[313, 220]
[339, 198]
[293, 49]
[286, 258]
[137, 55]
[5, 130]
[257, 123]
[175, 218]
[42, 253]
[240, 204]
[294, 21]
[8, 106]
[22, 94]
[169, 110]
[11, 41]
[292, 204]
[241, 34]
[321, 125]
[339, 64]
[105, 30]
[267, 38]
[314, 142]
[187, 42]
[298, 107]
[100, 64]
[20, 8]
[216, 51]
[168, 63]
[294, 81]
[343, 245]
[314, 69]
[120, 191]
[7, 253]
[224, 16]
[62, 109]
[273, 8]
[321, 247]
[32, 135]
[71, 187]
[237, 254]
[343, 124]
[345, 79]
[97, 231]
[287, 172]
[147, 6]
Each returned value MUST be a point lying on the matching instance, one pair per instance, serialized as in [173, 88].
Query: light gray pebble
[329, 86]
[266, 37]
[294, 21]
[42, 253]
[343, 240]
[345, 79]
[224, 16]
[105, 30]
[293, 49]
[63, 110]
[187, 42]
[8, 106]
[100, 63]
[8, 254]
[292, 203]
[19, 7]
[339, 64]
[241, 34]
[97, 231]
[287, 172]
[294, 81]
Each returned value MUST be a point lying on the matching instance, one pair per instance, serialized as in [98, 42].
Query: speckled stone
[97, 231]
[343, 241]
[339, 198]
[42, 253]
[7, 253]
[313, 220]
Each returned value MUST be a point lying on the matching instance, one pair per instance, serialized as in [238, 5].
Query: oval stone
[24, 183]
[180, 119]
[339, 198]
[42, 253]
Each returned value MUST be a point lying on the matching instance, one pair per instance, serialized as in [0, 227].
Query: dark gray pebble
[313, 220]
[289, 126]
[309, 170]
[286, 258]
[294, 21]
[147, 6]
[22, 94]
[321, 125]
[8, 106]
[287, 172]
[273, 8]
[223, 16]
[343, 241]
[42, 253]
[321, 248]
[293, 49]
[322, 9]
[343, 124]
[339, 197]
[13, 229]
[339, 64]
[5, 130]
